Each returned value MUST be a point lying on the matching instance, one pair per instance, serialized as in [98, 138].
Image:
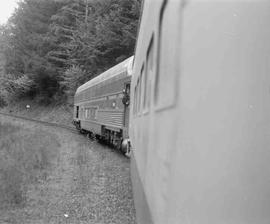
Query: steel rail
[42, 122]
[71, 129]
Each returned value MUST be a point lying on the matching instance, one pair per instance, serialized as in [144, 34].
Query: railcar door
[77, 112]
[126, 101]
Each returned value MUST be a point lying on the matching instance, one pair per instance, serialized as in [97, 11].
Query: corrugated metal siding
[108, 87]
[112, 118]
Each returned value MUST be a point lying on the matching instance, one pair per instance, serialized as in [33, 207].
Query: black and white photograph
[134, 112]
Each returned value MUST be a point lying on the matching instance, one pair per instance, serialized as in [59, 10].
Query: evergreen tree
[57, 45]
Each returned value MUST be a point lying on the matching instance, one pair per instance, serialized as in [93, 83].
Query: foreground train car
[101, 106]
[200, 112]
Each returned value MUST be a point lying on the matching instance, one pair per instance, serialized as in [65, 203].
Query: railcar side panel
[201, 148]
[91, 126]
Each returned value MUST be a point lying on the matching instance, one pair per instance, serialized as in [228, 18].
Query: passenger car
[101, 105]
[200, 112]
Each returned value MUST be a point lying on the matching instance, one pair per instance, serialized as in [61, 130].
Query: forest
[50, 47]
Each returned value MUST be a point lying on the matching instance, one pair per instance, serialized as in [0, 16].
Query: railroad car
[200, 112]
[101, 105]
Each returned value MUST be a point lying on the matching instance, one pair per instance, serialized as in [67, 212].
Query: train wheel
[128, 152]
[126, 147]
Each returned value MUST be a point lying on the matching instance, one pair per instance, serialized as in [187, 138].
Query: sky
[6, 9]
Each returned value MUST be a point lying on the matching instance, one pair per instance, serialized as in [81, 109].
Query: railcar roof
[115, 70]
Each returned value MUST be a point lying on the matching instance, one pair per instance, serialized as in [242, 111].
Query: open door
[126, 101]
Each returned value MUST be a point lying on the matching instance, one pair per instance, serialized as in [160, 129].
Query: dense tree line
[49, 47]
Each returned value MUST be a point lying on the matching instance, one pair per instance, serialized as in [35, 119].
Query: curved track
[71, 129]
[42, 122]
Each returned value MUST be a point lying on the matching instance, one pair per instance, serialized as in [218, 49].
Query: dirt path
[81, 182]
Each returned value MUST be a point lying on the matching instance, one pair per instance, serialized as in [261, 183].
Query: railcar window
[95, 113]
[91, 113]
[139, 93]
[143, 85]
[137, 96]
[135, 100]
[81, 114]
[149, 69]
[166, 80]
[128, 89]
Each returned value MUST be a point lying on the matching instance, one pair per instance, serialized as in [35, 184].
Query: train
[101, 106]
[198, 119]
[200, 112]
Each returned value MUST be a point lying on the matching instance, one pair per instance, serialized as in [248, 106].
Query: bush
[15, 87]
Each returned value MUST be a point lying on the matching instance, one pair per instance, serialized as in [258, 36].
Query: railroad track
[42, 122]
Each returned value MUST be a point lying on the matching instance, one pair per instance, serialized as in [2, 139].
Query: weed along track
[52, 176]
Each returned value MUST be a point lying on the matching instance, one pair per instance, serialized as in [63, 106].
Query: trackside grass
[25, 157]
[50, 175]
